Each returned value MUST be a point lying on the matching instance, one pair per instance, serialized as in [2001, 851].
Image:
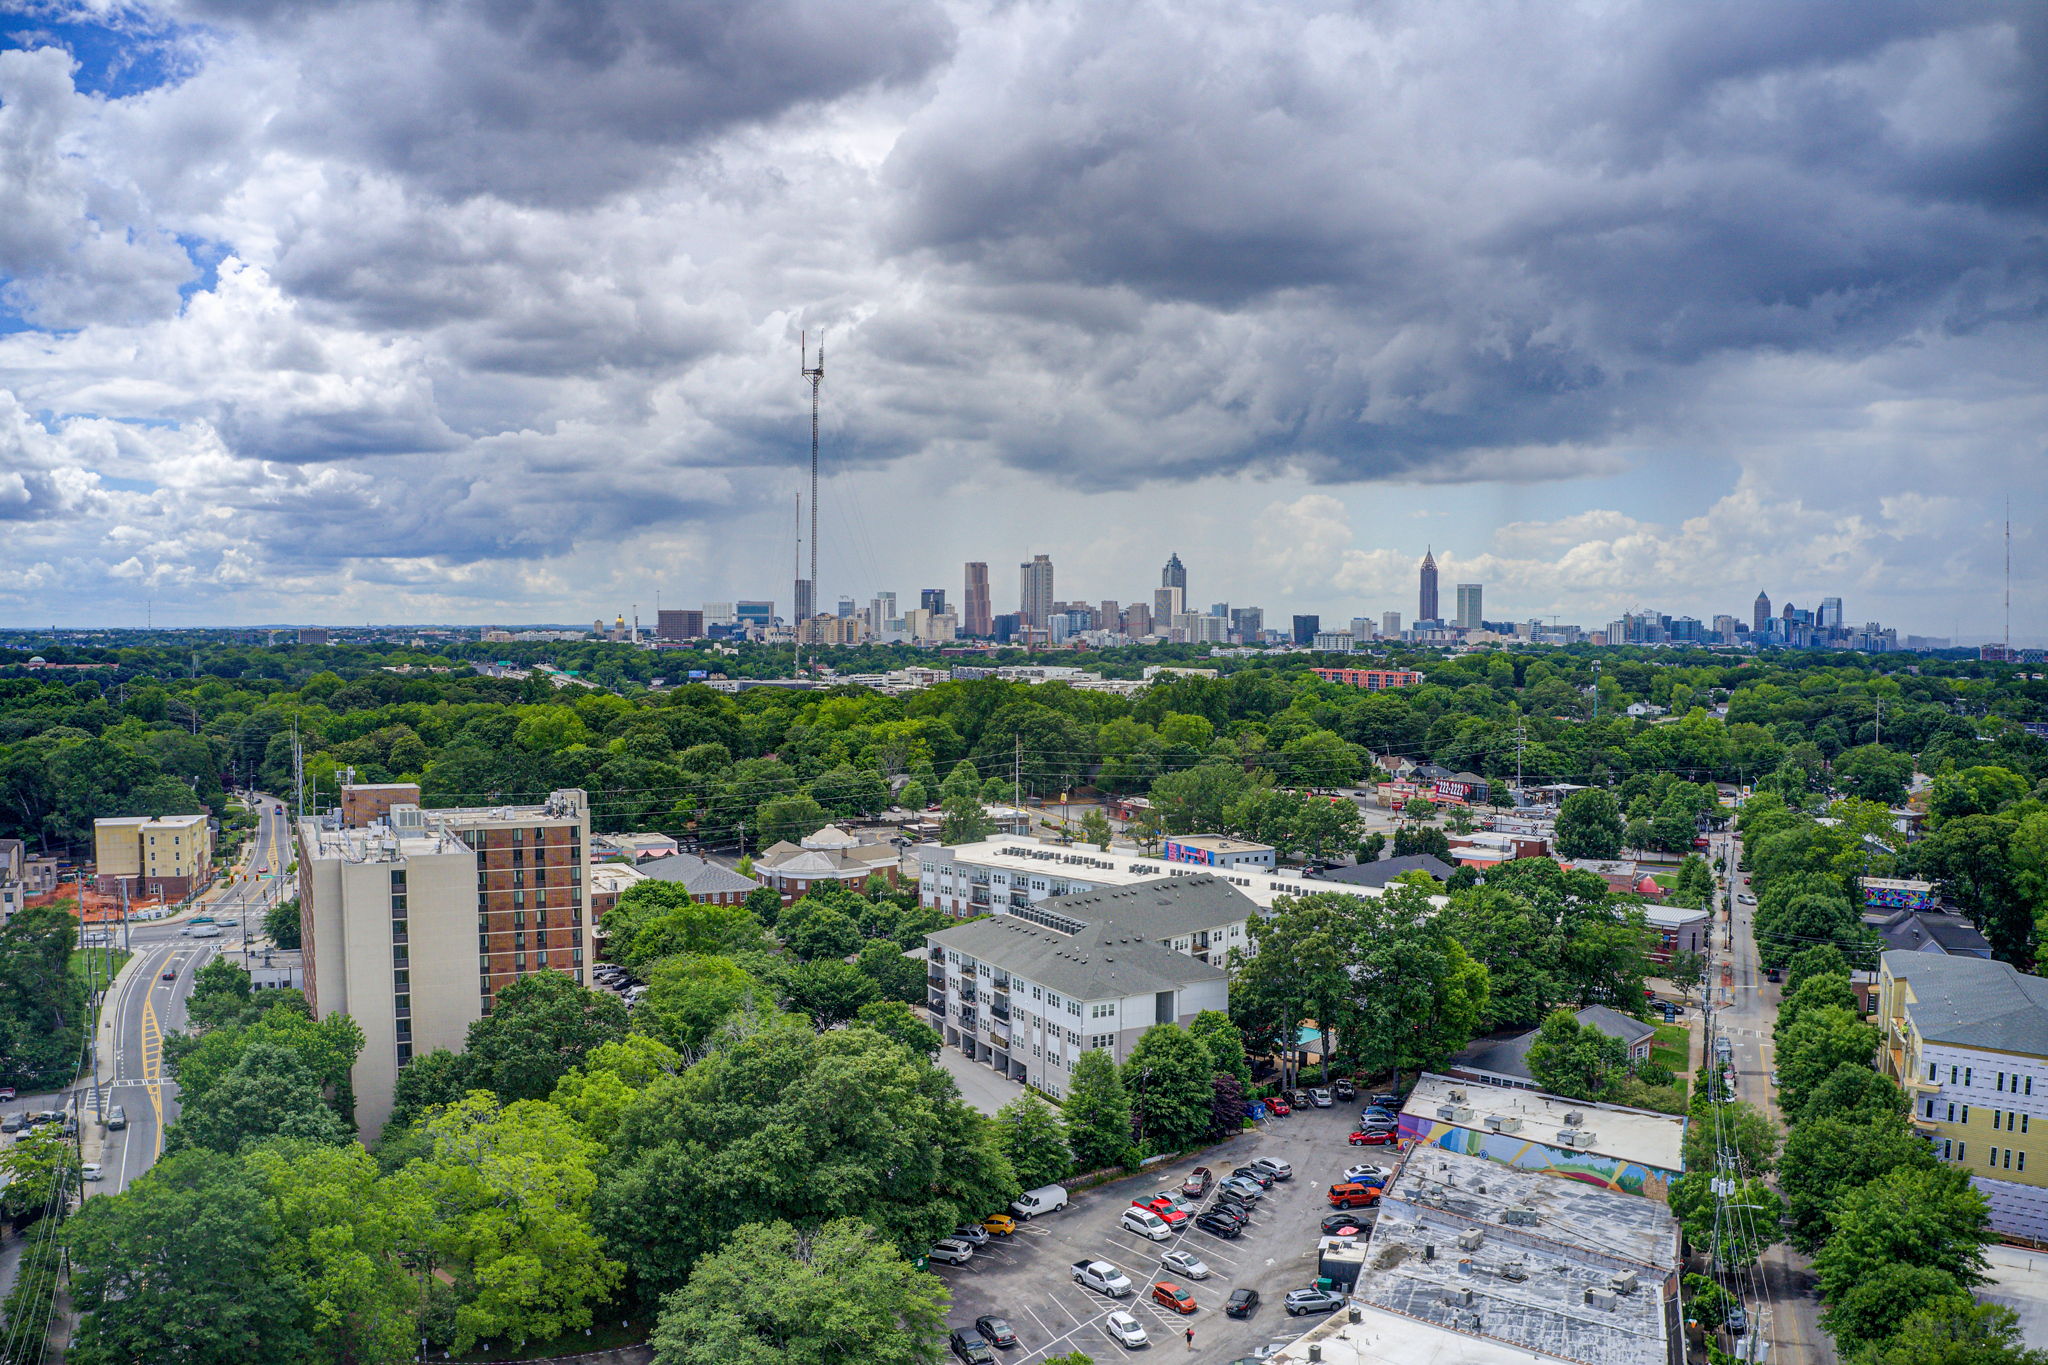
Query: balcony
[937, 980]
[969, 1020]
[967, 990]
[1001, 981]
[999, 1010]
[998, 1035]
[936, 1003]
[938, 954]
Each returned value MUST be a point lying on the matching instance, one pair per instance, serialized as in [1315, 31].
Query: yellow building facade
[167, 855]
[1967, 1038]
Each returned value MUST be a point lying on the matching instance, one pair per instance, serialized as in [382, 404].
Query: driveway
[979, 1086]
[1029, 1279]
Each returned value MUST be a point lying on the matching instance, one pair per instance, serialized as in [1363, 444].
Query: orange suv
[1352, 1195]
[1167, 1294]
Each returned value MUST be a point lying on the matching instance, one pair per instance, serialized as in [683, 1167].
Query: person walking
[1191, 1338]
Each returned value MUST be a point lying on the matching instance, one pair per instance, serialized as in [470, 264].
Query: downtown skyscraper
[1426, 604]
[977, 616]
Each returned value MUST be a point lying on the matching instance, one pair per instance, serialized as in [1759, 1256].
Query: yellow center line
[152, 1063]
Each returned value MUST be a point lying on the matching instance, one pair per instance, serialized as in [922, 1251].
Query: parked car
[1386, 1100]
[1156, 1203]
[1234, 1204]
[1145, 1223]
[970, 1347]
[1300, 1301]
[1185, 1263]
[1372, 1137]
[1345, 1091]
[13, 1123]
[950, 1252]
[1300, 1099]
[1198, 1182]
[89, 1171]
[1167, 1294]
[995, 1331]
[1737, 1320]
[117, 1118]
[999, 1225]
[1220, 1224]
[1342, 1225]
[1275, 1167]
[1241, 1303]
[1276, 1105]
[1256, 1174]
[971, 1233]
[6, 1092]
[1102, 1277]
[1319, 1098]
[1248, 1188]
[1351, 1196]
[1128, 1331]
[1365, 1173]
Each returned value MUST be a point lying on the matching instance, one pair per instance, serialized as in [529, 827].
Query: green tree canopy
[777, 1295]
[1097, 1109]
[1033, 1136]
[1168, 1078]
[539, 1027]
[1589, 825]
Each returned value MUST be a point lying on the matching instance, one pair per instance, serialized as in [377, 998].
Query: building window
[2023, 1161]
[2001, 1081]
[1951, 1111]
[1966, 1076]
[398, 881]
[2023, 1123]
[1966, 1113]
[404, 1053]
[1930, 1109]
[1962, 1151]
[2008, 1158]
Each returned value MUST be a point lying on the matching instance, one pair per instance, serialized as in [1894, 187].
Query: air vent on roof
[1623, 1282]
[1519, 1216]
[1504, 1123]
[1602, 1298]
[1573, 1118]
[1471, 1239]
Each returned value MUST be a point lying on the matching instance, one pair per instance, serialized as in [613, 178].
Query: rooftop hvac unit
[1504, 1123]
[1622, 1283]
[1458, 1298]
[1468, 1322]
[1458, 1097]
[1471, 1239]
[1519, 1216]
[1514, 1270]
[1601, 1298]
[1586, 1137]
[1445, 1111]
[1573, 1118]
[1568, 1137]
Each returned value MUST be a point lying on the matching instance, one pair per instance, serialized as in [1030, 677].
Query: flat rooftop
[1512, 1286]
[1383, 1338]
[1085, 862]
[1569, 1213]
[1639, 1135]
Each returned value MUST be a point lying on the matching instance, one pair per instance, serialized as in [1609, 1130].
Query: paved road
[1790, 1324]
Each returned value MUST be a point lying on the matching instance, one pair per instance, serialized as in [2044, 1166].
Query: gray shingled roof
[1386, 869]
[1509, 1055]
[1974, 1002]
[697, 876]
[1163, 908]
[1116, 953]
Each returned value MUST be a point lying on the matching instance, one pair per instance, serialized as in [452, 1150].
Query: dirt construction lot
[1029, 1279]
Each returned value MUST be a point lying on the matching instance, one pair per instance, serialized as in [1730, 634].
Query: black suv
[1220, 1224]
[969, 1346]
[1241, 1303]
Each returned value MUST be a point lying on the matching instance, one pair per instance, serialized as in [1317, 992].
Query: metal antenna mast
[816, 374]
[2008, 559]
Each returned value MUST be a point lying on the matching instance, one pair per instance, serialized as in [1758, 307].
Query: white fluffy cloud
[475, 311]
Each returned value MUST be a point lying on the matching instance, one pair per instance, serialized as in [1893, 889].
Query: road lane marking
[152, 1063]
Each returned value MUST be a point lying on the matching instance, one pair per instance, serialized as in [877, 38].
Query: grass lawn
[106, 962]
[1672, 1048]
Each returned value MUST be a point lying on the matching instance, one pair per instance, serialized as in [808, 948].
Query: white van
[1044, 1199]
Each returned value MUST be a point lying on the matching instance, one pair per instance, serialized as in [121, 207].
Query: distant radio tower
[808, 587]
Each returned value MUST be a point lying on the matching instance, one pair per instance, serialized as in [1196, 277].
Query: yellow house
[1968, 1040]
[154, 855]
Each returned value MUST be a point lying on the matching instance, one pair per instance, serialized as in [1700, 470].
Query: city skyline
[269, 351]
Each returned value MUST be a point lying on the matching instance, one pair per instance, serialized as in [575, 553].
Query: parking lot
[1028, 1278]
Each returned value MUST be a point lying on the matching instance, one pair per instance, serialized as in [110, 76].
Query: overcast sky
[488, 310]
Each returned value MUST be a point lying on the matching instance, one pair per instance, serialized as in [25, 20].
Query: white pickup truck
[1103, 1278]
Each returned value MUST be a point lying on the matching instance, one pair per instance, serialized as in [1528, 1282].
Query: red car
[1372, 1139]
[1197, 1184]
[1276, 1105]
[6, 1092]
[1170, 1212]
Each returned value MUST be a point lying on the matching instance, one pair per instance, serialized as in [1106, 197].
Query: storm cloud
[436, 286]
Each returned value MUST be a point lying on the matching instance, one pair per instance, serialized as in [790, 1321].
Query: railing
[938, 954]
[998, 1035]
[999, 1010]
[937, 979]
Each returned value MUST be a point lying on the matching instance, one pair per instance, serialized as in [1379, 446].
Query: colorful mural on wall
[1523, 1153]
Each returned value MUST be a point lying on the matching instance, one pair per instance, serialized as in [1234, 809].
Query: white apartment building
[414, 919]
[1027, 992]
[1003, 873]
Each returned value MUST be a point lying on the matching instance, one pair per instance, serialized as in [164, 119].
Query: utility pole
[1017, 771]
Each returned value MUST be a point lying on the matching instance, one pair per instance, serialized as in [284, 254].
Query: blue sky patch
[122, 54]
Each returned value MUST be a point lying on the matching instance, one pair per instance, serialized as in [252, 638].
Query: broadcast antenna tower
[808, 588]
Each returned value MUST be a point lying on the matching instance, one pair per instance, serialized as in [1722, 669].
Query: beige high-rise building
[414, 920]
[1034, 590]
[164, 855]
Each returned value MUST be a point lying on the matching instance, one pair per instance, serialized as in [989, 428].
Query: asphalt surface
[1028, 1278]
[1746, 1007]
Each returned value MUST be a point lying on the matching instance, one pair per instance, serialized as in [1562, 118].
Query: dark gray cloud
[566, 101]
[522, 279]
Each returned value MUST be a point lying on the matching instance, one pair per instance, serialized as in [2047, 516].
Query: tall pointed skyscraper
[1174, 576]
[1760, 617]
[1426, 602]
